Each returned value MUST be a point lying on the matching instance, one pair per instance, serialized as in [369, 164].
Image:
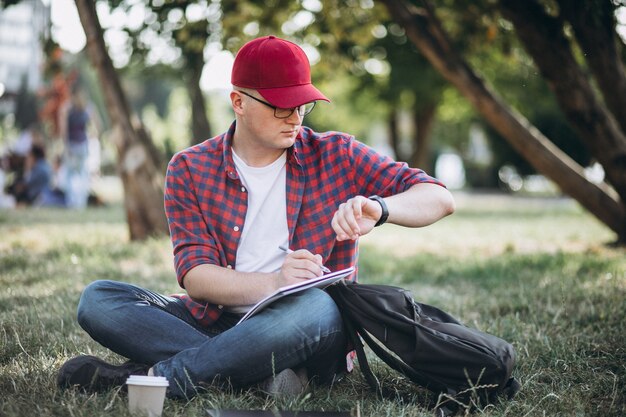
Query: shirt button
[236, 228]
[243, 189]
[220, 306]
[229, 266]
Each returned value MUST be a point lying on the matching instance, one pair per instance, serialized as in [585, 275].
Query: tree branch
[594, 26]
[543, 38]
[422, 29]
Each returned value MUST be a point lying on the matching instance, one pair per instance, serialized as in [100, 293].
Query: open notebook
[319, 282]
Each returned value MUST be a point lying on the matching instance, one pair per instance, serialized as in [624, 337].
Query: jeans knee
[90, 300]
[326, 311]
[330, 334]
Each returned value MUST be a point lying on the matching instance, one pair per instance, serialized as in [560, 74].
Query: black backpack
[429, 346]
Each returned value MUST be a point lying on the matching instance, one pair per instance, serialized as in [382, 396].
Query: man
[231, 202]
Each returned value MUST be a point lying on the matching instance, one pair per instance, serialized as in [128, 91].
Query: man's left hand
[356, 217]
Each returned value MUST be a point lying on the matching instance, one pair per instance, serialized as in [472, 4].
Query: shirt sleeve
[381, 175]
[192, 243]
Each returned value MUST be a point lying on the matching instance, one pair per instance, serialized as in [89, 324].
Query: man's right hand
[299, 265]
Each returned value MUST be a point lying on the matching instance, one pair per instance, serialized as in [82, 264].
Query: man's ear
[236, 101]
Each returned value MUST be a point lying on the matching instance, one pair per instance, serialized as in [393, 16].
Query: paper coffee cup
[146, 394]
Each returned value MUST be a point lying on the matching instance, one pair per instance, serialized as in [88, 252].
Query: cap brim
[287, 97]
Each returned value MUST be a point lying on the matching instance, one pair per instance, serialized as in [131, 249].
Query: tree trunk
[423, 120]
[543, 37]
[143, 184]
[394, 133]
[200, 126]
[426, 33]
[594, 26]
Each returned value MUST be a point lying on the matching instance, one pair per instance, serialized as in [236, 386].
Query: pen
[287, 250]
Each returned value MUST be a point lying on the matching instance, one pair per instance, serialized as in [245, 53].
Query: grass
[535, 272]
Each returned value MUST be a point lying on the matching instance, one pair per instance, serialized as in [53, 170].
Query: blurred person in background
[54, 196]
[75, 130]
[14, 157]
[36, 179]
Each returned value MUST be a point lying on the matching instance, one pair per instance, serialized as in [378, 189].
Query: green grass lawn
[534, 272]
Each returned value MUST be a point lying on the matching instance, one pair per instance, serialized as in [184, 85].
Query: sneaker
[92, 374]
[286, 384]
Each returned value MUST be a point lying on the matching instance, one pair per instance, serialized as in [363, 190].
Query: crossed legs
[301, 330]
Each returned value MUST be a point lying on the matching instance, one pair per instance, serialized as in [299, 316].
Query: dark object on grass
[92, 374]
[465, 366]
[276, 413]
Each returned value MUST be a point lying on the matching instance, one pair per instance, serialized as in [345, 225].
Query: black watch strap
[383, 205]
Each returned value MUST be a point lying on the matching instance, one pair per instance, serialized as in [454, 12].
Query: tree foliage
[184, 28]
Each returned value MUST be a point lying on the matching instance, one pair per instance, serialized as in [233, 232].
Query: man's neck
[254, 156]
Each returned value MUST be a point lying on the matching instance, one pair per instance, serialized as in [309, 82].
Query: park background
[518, 109]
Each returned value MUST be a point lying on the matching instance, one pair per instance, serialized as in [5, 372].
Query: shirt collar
[296, 150]
[229, 164]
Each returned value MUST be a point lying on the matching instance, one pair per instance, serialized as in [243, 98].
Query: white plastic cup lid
[151, 381]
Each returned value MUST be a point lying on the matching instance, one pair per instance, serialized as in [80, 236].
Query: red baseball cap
[278, 69]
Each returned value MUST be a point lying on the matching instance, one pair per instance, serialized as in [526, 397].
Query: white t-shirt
[265, 227]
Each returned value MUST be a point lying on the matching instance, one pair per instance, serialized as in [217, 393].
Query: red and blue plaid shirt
[206, 202]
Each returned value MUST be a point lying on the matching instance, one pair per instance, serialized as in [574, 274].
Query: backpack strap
[400, 366]
[442, 409]
[354, 329]
[357, 344]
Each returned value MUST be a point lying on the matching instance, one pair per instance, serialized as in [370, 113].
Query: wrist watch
[383, 206]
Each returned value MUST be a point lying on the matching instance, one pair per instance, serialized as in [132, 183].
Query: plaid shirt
[206, 202]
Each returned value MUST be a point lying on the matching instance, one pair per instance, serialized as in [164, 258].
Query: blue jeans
[76, 175]
[300, 330]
